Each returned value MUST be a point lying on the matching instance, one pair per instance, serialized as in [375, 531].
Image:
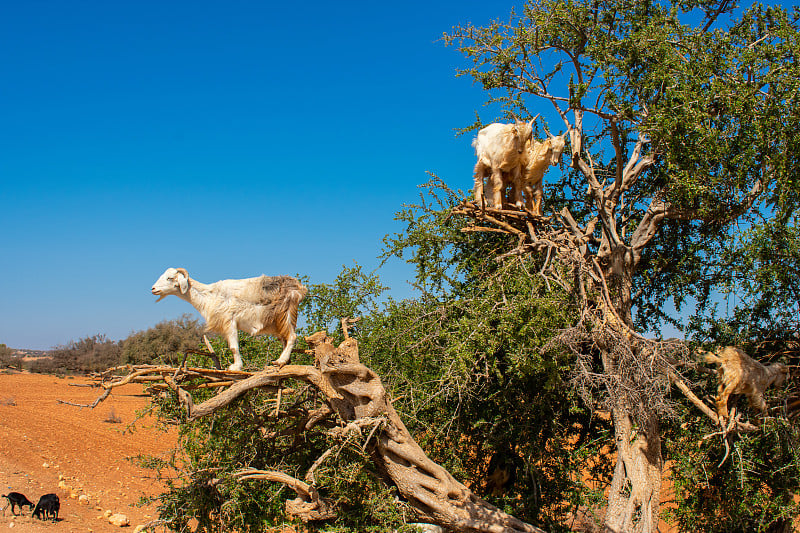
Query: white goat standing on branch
[258, 306]
[499, 148]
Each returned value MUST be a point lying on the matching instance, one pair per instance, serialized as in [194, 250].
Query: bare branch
[308, 505]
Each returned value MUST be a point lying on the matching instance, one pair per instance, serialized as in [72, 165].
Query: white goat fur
[499, 148]
[258, 306]
[536, 157]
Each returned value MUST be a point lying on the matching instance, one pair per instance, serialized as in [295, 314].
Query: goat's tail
[292, 301]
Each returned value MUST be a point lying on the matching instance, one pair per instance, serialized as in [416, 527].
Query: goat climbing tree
[354, 396]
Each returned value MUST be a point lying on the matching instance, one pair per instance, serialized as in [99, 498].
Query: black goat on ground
[18, 499]
[47, 507]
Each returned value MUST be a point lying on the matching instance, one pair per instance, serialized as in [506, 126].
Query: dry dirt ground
[43, 442]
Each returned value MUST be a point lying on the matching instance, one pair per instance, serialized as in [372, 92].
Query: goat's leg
[722, 401]
[527, 192]
[288, 344]
[497, 188]
[233, 343]
[518, 186]
[537, 200]
[480, 176]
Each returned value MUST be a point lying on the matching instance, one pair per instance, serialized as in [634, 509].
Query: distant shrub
[163, 341]
[5, 355]
[90, 354]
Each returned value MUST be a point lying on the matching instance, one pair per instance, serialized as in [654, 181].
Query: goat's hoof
[235, 368]
[279, 363]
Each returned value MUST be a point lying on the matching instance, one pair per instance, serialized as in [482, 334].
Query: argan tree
[682, 122]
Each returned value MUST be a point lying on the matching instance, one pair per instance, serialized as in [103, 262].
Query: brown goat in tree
[537, 157]
[741, 374]
[501, 472]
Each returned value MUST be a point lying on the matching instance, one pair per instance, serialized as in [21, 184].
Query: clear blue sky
[231, 138]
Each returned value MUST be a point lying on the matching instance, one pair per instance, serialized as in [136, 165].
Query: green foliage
[353, 294]
[760, 288]
[210, 450]
[365, 502]
[470, 363]
[751, 491]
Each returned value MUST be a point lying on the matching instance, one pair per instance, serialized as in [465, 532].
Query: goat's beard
[161, 298]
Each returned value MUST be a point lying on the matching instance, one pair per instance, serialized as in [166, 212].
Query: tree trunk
[634, 495]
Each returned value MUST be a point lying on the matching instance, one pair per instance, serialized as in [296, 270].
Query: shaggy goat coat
[537, 157]
[499, 148]
[258, 306]
[741, 374]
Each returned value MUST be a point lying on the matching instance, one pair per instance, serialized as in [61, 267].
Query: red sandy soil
[43, 442]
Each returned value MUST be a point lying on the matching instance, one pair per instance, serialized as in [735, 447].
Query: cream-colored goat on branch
[537, 156]
[499, 148]
[510, 157]
[258, 306]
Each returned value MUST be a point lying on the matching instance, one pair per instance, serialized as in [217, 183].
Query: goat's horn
[534, 118]
[183, 271]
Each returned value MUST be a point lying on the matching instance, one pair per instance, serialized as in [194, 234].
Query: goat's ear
[183, 282]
